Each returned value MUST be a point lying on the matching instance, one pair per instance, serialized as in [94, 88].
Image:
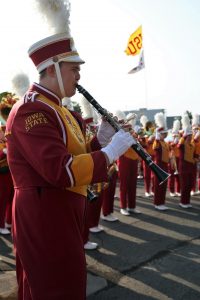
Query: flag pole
[145, 84]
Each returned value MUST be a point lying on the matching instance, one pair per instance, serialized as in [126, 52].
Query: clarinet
[137, 147]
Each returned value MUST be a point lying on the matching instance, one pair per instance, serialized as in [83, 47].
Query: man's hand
[105, 133]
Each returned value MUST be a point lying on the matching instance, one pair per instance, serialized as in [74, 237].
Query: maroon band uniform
[186, 168]
[161, 150]
[51, 169]
[128, 164]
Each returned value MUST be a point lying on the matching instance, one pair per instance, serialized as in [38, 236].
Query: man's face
[70, 73]
[189, 138]
[163, 135]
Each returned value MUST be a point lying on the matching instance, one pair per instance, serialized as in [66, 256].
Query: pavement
[152, 255]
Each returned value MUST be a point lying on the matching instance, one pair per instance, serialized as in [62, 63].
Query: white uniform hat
[59, 46]
[161, 122]
[143, 120]
[55, 48]
[186, 126]
[195, 122]
[176, 127]
[20, 84]
[87, 111]
[120, 115]
[66, 102]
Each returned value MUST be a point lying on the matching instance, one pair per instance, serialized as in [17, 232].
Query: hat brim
[163, 131]
[73, 59]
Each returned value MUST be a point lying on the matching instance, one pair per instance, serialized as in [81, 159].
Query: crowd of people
[176, 151]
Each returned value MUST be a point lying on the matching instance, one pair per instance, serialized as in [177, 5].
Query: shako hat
[55, 48]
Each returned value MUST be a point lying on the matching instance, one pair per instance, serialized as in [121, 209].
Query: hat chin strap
[60, 81]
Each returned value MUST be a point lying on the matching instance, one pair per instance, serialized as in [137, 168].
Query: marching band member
[20, 83]
[51, 166]
[128, 166]
[108, 194]
[7, 100]
[148, 128]
[161, 150]
[174, 180]
[195, 130]
[140, 137]
[67, 103]
[93, 208]
[197, 156]
[186, 162]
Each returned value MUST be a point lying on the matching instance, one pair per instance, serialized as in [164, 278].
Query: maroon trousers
[128, 181]
[186, 180]
[160, 190]
[92, 216]
[148, 178]
[47, 233]
[194, 182]
[108, 195]
[6, 197]
[174, 179]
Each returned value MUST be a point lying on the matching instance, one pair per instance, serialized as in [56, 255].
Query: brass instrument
[173, 163]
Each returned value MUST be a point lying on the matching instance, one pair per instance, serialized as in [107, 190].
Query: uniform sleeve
[93, 145]
[38, 137]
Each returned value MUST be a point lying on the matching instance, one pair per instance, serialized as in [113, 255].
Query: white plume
[56, 14]
[143, 120]
[96, 117]
[131, 119]
[120, 115]
[20, 84]
[160, 120]
[66, 102]
[86, 108]
[176, 126]
[185, 120]
[195, 120]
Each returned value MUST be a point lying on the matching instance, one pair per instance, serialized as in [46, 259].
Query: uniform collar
[47, 93]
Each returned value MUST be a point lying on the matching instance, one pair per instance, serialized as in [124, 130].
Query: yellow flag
[135, 42]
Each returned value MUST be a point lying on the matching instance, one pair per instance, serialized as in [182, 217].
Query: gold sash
[75, 139]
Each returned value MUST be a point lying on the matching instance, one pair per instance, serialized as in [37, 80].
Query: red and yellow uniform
[161, 151]
[174, 180]
[128, 164]
[148, 177]
[51, 169]
[186, 168]
[197, 155]
[196, 142]
[6, 189]
[105, 192]
[108, 192]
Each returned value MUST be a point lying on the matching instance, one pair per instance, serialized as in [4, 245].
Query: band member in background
[128, 166]
[51, 166]
[7, 100]
[161, 150]
[186, 162]
[108, 194]
[20, 83]
[174, 180]
[141, 138]
[93, 206]
[196, 141]
[149, 136]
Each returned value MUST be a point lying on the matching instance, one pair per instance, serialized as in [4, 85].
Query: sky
[101, 30]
